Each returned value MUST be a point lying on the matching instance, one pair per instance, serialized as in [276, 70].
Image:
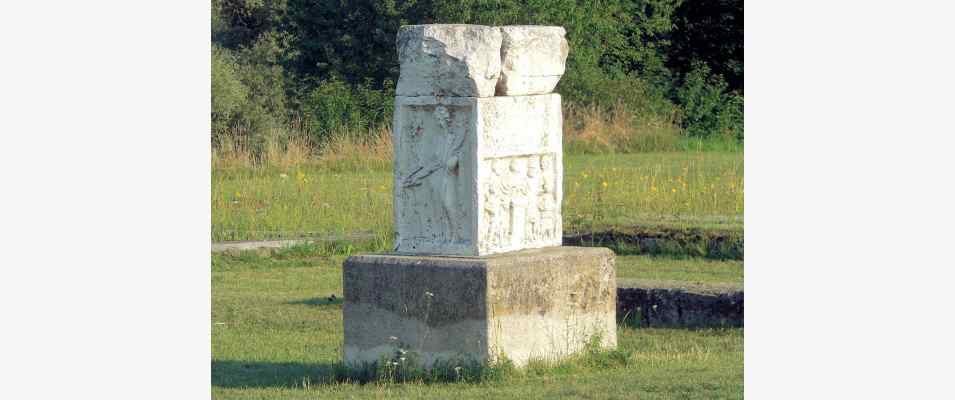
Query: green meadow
[671, 190]
[277, 334]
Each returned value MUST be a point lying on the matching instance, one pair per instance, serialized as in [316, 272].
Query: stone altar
[477, 176]
[477, 270]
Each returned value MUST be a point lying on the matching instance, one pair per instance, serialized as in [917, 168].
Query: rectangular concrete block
[533, 304]
[477, 176]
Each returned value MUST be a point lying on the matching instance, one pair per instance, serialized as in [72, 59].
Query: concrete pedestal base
[532, 304]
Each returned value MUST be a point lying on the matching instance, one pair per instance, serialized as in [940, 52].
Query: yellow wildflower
[604, 184]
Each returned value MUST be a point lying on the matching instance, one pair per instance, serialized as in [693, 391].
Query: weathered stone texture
[532, 59]
[448, 60]
[477, 176]
[532, 304]
[663, 303]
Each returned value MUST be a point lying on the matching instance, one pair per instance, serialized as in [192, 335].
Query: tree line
[322, 66]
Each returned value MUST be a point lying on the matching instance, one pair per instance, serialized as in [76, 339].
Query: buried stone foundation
[539, 304]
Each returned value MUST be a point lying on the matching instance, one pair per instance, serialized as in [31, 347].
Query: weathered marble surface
[477, 176]
[448, 60]
[542, 304]
[532, 59]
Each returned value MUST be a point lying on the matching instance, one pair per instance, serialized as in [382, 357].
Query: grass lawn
[694, 270]
[275, 334]
[685, 189]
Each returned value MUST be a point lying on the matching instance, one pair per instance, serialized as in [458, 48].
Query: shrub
[333, 64]
[711, 31]
[619, 130]
[708, 109]
[336, 106]
[248, 92]
[229, 94]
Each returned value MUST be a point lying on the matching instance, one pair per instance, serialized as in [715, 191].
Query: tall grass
[281, 149]
[593, 130]
[600, 191]
[681, 189]
[342, 186]
[345, 151]
[342, 150]
[587, 130]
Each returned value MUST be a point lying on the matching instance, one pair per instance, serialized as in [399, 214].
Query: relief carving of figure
[499, 203]
[547, 203]
[491, 215]
[516, 191]
[445, 182]
[532, 230]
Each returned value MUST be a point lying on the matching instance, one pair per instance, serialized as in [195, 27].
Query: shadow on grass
[238, 374]
[319, 301]
[244, 374]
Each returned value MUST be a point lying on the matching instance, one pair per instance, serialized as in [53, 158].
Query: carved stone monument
[477, 270]
[477, 176]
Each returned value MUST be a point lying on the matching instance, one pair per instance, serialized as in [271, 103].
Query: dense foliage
[328, 65]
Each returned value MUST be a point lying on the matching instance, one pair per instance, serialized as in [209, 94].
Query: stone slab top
[466, 60]
[448, 60]
[683, 286]
[527, 255]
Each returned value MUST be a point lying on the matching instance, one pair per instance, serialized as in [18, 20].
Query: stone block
[477, 176]
[533, 304]
[448, 60]
[532, 59]
[678, 303]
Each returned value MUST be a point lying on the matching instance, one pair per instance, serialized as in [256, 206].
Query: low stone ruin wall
[662, 304]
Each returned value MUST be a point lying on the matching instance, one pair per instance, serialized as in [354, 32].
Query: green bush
[248, 92]
[334, 105]
[333, 64]
[709, 31]
[731, 117]
[229, 94]
[708, 109]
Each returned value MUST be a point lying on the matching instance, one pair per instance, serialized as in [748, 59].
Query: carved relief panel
[434, 169]
[477, 176]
